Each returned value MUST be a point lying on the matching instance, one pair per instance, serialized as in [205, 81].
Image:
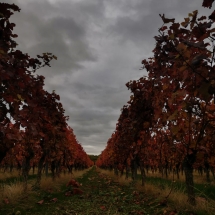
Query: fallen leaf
[102, 207]
[69, 193]
[163, 202]
[40, 202]
[173, 212]
[54, 200]
[73, 183]
[77, 191]
[6, 201]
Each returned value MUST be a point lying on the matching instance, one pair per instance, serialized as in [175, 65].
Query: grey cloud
[143, 23]
[62, 35]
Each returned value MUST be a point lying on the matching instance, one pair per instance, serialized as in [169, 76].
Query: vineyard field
[159, 160]
[100, 192]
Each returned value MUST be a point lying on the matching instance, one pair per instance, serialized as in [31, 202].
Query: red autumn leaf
[42, 134]
[69, 193]
[102, 207]
[163, 28]
[173, 213]
[73, 183]
[9, 98]
[11, 136]
[6, 201]
[77, 191]
[40, 202]
[54, 200]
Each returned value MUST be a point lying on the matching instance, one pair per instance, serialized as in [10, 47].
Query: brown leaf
[194, 15]
[186, 22]
[166, 20]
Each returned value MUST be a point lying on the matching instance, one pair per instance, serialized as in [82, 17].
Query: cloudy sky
[99, 45]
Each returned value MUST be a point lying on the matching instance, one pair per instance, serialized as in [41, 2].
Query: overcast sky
[99, 45]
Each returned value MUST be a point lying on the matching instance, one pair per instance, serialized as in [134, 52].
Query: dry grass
[7, 174]
[47, 182]
[12, 193]
[198, 179]
[176, 198]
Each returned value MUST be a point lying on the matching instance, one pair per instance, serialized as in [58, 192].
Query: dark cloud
[100, 45]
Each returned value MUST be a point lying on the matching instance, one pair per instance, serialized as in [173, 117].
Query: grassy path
[101, 195]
